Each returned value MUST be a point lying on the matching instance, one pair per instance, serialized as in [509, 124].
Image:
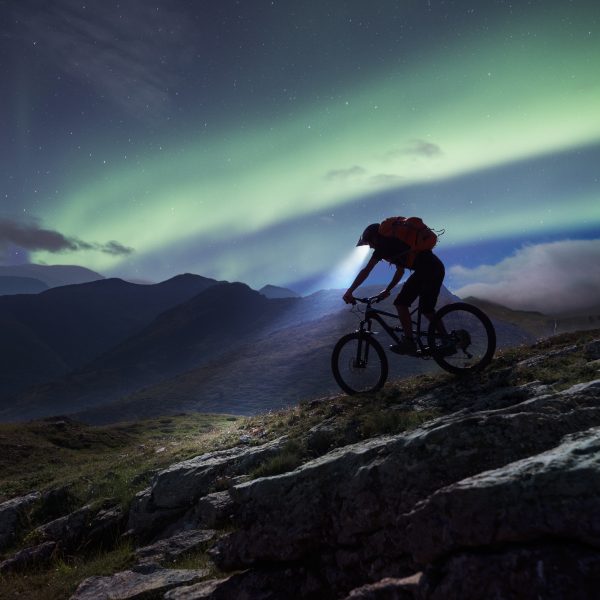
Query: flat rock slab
[552, 571]
[551, 495]
[130, 585]
[388, 589]
[10, 513]
[174, 547]
[198, 591]
[210, 511]
[182, 483]
[288, 583]
[28, 556]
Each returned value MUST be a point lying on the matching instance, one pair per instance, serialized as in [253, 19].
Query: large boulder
[347, 506]
[552, 570]
[552, 495]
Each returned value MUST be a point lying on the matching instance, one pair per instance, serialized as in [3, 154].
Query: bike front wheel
[461, 338]
[359, 363]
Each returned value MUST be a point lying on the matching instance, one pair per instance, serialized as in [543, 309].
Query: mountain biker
[425, 282]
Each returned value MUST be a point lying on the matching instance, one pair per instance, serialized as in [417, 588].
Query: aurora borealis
[253, 141]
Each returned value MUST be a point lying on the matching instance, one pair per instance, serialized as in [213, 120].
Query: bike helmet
[368, 234]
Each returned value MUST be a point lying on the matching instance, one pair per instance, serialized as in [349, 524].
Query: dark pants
[424, 283]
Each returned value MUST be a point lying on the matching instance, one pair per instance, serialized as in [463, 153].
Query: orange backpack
[411, 231]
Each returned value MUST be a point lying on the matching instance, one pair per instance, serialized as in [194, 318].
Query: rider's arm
[362, 275]
[394, 282]
[395, 279]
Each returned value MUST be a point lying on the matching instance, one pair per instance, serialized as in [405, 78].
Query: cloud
[557, 277]
[114, 248]
[31, 237]
[360, 172]
[423, 148]
[385, 179]
[127, 56]
[416, 147]
[343, 174]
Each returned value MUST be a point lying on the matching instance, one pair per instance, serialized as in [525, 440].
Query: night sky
[254, 140]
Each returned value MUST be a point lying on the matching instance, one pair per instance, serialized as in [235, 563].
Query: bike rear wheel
[461, 338]
[359, 363]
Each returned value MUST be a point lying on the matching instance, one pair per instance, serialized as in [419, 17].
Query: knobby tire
[359, 378]
[479, 341]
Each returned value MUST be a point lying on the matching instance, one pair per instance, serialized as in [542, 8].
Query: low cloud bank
[31, 237]
[557, 277]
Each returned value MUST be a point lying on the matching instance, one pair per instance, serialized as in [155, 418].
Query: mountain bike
[460, 339]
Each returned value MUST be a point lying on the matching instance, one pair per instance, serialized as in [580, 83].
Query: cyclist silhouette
[424, 283]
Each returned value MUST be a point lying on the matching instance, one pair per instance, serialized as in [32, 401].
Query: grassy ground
[117, 461]
[60, 580]
[99, 462]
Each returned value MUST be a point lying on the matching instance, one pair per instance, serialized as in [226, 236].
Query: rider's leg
[408, 294]
[440, 325]
[405, 320]
[430, 291]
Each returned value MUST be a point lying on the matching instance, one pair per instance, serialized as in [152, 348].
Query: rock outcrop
[349, 507]
[145, 582]
[176, 490]
[11, 512]
[495, 497]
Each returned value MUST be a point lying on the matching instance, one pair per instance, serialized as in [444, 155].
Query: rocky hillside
[435, 488]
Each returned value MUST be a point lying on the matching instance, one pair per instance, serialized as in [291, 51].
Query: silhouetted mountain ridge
[273, 291]
[226, 349]
[52, 275]
[10, 285]
[214, 322]
[76, 323]
[184, 334]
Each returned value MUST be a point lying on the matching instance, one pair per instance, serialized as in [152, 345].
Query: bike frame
[374, 314]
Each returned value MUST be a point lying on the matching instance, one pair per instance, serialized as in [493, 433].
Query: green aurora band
[490, 100]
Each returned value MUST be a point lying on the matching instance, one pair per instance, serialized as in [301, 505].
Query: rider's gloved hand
[382, 295]
[349, 298]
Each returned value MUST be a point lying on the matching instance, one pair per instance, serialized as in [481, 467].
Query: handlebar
[371, 300]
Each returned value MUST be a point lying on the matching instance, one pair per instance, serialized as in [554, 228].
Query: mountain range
[110, 350]
[44, 276]
[47, 335]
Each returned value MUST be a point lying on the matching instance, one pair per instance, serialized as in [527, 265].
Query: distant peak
[187, 277]
[273, 291]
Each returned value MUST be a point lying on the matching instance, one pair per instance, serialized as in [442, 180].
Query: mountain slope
[76, 323]
[223, 316]
[227, 350]
[539, 324]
